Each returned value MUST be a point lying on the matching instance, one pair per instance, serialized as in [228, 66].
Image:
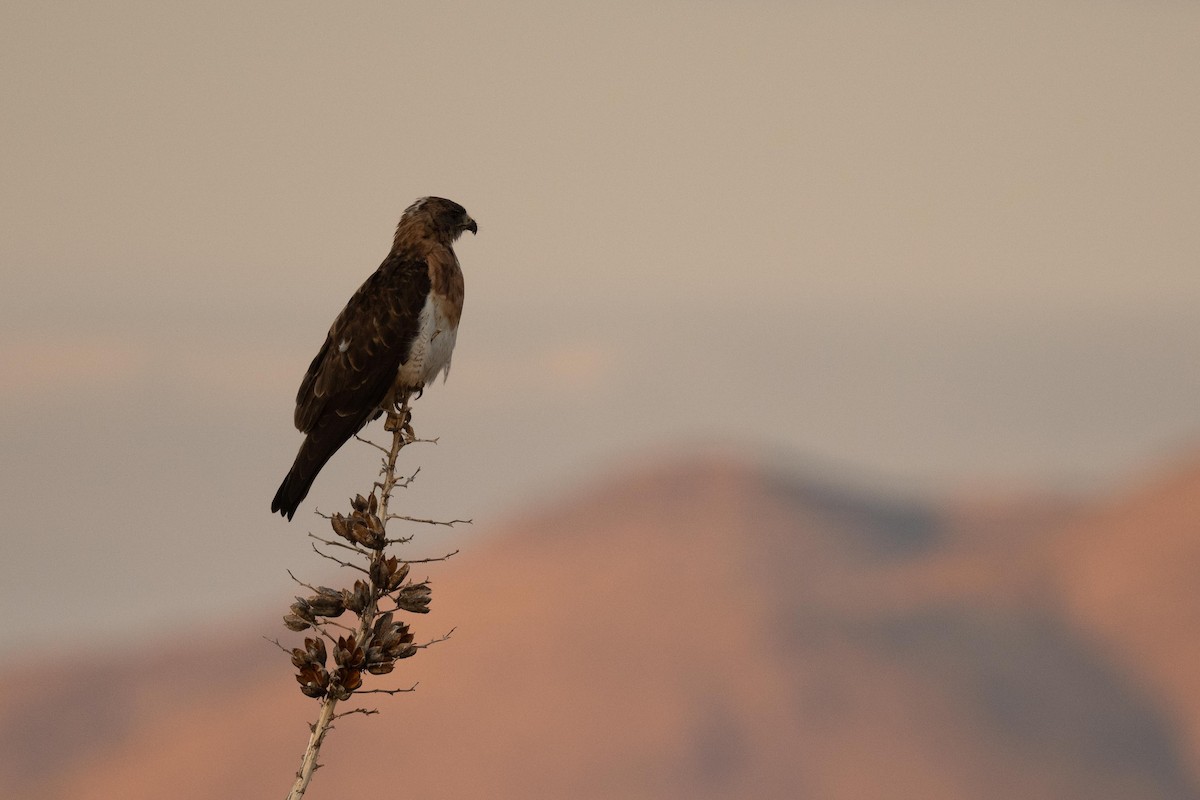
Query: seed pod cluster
[312, 677]
[414, 598]
[363, 526]
[350, 658]
[355, 600]
[388, 574]
[325, 603]
[381, 640]
[390, 641]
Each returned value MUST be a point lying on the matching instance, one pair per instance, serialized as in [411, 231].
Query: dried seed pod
[375, 655]
[397, 572]
[343, 682]
[400, 644]
[312, 690]
[351, 679]
[362, 592]
[303, 610]
[359, 503]
[393, 639]
[340, 525]
[348, 653]
[379, 573]
[414, 598]
[315, 647]
[323, 605]
[382, 627]
[313, 680]
[368, 531]
[294, 623]
[356, 599]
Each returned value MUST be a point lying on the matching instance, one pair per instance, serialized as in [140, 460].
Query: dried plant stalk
[308, 764]
[378, 641]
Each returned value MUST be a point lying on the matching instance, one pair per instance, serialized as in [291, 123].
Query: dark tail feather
[309, 461]
[291, 493]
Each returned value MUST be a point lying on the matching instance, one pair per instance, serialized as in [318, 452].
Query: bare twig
[369, 712]
[412, 688]
[446, 557]
[449, 524]
[320, 626]
[438, 640]
[336, 560]
[308, 586]
[378, 447]
[343, 545]
[278, 644]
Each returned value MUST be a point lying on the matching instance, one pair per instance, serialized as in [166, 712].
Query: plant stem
[309, 764]
[397, 419]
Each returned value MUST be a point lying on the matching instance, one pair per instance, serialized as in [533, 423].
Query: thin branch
[328, 621]
[412, 688]
[364, 711]
[400, 482]
[277, 644]
[438, 640]
[378, 447]
[446, 557]
[339, 561]
[449, 524]
[309, 586]
[343, 545]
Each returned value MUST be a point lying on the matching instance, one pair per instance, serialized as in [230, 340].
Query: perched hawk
[394, 336]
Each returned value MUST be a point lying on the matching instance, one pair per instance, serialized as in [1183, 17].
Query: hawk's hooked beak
[471, 226]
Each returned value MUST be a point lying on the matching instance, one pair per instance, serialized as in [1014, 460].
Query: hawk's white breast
[432, 348]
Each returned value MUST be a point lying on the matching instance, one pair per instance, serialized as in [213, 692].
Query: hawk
[395, 335]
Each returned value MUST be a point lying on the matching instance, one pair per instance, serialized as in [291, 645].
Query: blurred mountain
[700, 628]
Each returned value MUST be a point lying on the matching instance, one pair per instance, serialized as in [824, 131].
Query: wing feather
[366, 345]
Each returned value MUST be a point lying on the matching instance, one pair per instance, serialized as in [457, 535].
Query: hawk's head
[444, 218]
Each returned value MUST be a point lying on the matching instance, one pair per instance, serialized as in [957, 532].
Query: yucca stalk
[378, 640]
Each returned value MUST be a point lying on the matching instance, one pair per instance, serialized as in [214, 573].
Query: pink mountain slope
[701, 629]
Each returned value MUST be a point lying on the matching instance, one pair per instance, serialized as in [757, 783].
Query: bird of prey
[394, 336]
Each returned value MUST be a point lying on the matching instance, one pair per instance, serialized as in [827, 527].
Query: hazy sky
[931, 244]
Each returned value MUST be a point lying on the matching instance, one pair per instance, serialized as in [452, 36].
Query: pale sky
[925, 246]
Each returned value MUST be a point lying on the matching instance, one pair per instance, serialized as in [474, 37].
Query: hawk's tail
[292, 492]
[309, 461]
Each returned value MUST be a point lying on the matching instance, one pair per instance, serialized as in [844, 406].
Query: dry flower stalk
[379, 640]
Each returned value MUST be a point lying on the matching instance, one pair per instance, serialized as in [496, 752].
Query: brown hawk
[395, 335]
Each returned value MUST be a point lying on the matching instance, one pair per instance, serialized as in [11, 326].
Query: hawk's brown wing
[354, 370]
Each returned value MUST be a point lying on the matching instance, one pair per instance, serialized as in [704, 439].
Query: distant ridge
[704, 627]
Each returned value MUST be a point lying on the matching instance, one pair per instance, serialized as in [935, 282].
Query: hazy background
[928, 247]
